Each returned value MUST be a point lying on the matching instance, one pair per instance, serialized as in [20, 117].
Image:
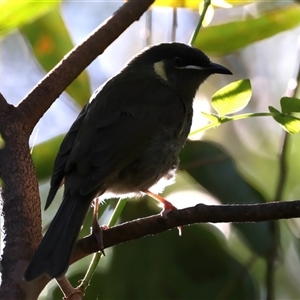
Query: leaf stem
[199, 25]
[225, 119]
[252, 115]
[97, 256]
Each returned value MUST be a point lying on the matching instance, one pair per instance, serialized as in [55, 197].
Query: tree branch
[198, 214]
[38, 101]
[20, 198]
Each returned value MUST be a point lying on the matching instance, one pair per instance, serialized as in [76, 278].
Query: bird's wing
[116, 128]
[62, 156]
[67, 144]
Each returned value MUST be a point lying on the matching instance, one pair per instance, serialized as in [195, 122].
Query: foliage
[204, 263]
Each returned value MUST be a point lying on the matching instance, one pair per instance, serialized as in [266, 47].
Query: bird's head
[178, 65]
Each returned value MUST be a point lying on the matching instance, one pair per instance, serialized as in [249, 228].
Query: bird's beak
[218, 69]
[213, 68]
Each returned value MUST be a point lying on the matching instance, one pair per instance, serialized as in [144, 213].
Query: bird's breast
[158, 159]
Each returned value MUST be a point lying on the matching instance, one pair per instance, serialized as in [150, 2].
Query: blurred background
[237, 162]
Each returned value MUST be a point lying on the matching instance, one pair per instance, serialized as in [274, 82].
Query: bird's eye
[178, 61]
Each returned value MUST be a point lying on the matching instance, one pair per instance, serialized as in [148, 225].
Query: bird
[125, 140]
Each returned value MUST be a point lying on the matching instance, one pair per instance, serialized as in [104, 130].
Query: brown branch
[38, 101]
[20, 199]
[198, 214]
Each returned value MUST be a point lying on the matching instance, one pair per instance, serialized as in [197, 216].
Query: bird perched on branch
[123, 142]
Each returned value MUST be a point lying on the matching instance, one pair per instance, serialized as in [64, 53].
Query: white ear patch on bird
[159, 68]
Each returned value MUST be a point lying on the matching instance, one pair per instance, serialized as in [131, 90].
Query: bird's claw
[167, 207]
[97, 232]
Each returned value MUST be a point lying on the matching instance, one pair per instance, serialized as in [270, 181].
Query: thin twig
[199, 25]
[291, 91]
[174, 24]
[148, 28]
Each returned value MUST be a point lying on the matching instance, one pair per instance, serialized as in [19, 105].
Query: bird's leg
[97, 230]
[167, 206]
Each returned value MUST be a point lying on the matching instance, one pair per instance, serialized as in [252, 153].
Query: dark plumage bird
[123, 142]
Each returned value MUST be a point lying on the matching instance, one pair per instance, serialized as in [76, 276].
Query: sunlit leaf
[290, 123]
[238, 2]
[289, 105]
[191, 4]
[50, 41]
[225, 38]
[233, 97]
[14, 14]
[211, 117]
[221, 3]
[194, 4]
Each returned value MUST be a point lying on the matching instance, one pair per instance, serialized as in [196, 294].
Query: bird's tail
[53, 254]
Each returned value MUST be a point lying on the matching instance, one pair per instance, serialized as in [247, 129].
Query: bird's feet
[167, 206]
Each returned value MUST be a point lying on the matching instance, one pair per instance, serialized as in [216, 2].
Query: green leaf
[232, 98]
[14, 14]
[2, 142]
[50, 41]
[43, 156]
[211, 117]
[289, 123]
[290, 105]
[238, 3]
[273, 110]
[216, 171]
[191, 4]
[225, 38]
